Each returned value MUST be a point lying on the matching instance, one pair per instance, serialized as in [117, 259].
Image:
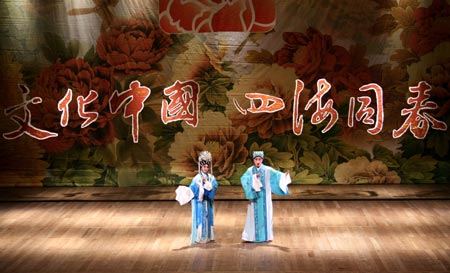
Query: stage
[327, 235]
[310, 236]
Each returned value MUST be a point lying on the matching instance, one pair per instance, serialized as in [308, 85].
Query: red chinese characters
[89, 117]
[183, 103]
[63, 106]
[269, 104]
[419, 123]
[365, 113]
[24, 122]
[297, 120]
[133, 99]
[322, 111]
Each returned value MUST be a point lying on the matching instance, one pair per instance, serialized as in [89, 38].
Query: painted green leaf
[341, 148]
[82, 177]
[54, 178]
[149, 80]
[73, 47]
[140, 153]
[185, 181]
[304, 177]
[311, 160]
[385, 155]
[419, 163]
[109, 178]
[224, 182]
[442, 174]
[165, 133]
[321, 166]
[428, 178]
[438, 142]
[217, 96]
[416, 175]
[235, 179]
[418, 169]
[179, 42]
[148, 115]
[412, 146]
[127, 176]
[221, 81]
[213, 91]
[92, 58]
[121, 128]
[123, 153]
[54, 47]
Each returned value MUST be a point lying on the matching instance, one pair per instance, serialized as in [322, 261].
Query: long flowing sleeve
[247, 182]
[194, 187]
[278, 182]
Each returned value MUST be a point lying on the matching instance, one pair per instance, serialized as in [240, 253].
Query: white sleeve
[256, 183]
[208, 186]
[284, 181]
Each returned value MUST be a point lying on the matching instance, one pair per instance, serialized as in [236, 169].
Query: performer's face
[257, 161]
[205, 168]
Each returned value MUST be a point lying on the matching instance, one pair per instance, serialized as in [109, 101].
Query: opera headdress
[204, 158]
[258, 154]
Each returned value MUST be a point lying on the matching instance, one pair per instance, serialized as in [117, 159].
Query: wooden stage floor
[318, 236]
[339, 228]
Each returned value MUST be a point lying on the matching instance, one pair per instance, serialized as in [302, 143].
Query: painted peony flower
[362, 171]
[52, 85]
[215, 134]
[434, 68]
[207, 71]
[429, 27]
[180, 16]
[314, 56]
[133, 46]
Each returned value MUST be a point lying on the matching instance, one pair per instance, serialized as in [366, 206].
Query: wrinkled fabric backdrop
[128, 92]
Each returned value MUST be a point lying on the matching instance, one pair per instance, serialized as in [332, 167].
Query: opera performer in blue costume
[259, 182]
[201, 193]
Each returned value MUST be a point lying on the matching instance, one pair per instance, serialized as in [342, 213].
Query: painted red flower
[430, 28]
[133, 46]
[314, 56]
[52, 85]
[180, 16]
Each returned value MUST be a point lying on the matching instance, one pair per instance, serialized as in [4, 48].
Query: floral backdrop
[128, 92]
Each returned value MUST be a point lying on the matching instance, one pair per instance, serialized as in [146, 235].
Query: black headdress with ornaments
[204, 158]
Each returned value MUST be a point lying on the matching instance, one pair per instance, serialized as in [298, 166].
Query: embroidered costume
[201, 193]
[259, 184]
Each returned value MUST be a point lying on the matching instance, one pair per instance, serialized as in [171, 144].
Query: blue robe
[258, 224]
[202, 209]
